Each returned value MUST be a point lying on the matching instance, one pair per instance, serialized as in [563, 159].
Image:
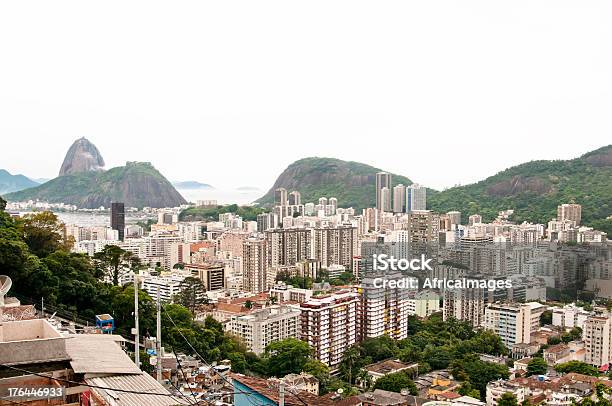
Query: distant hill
[137, 184]
[13, 183]
[352, 183]
[534, 189]
[191, 184]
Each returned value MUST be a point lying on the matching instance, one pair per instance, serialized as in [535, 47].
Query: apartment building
[328, 325]
[212, 275]
[288, 246]
[335, 245]
[424, 230]
[514, 322]
[262, 327]
[423, 303]
[382, 310]
[287, 293]
[571, 212]
[254, 264]
[168, 285]
[464, 304]
[597, 337]
[570, 316]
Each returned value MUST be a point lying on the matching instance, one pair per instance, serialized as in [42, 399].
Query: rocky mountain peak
[83, 156]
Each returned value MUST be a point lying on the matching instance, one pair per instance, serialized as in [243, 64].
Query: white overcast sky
[231, 92]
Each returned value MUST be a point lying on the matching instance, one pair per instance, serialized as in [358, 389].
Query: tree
[395, 382]
[248, 304]
[44, 233]
[349, 361]
[577, 367]
[537, 366]
[286, 356]
[478, 373]
[573, 334]
[507, 399]
[114, 260]
[192, 293]
[546, 318]
[320, 371]
[467, 390]
[364, 379]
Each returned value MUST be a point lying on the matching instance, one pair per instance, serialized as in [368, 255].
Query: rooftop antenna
[5, 285]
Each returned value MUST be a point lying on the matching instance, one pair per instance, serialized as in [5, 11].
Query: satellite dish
[340, 391]
[5, 285]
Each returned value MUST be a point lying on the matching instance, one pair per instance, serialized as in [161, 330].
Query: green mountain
[534, 189]
[352, 183]
[13, 183]
[137, 184]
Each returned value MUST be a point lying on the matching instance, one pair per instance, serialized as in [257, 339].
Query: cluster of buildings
[242, 264]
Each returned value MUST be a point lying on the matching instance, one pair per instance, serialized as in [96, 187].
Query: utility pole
[42, 307]
[281, 392]
[136, 324]
[158, 340]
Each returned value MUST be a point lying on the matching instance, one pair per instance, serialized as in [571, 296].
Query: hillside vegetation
[352, 183]
[535, 189]
[137, 184]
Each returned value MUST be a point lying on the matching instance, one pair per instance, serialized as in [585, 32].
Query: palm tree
[350, 358]
[364, 379]
[248, 304]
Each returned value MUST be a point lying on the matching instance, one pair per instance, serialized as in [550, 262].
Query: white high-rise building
[382, 310]
[328, 325]
[262, 327]
[416, 197]
[254, 265]
[597, 338]
[515, 322]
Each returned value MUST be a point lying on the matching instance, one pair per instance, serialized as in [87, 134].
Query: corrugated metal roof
[98, 354]
[141, 383]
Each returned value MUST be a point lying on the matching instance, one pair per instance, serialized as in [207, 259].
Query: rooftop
[389, 366]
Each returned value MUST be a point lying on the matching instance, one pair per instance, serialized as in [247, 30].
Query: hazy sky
[231, 92]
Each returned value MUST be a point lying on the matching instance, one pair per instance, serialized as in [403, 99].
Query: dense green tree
[537, 366]
[43, 233]
[478, 373]
[113, 260]
[577, 367]
[572, 335]
[466, 389]
[286, 356]
[507, 399]
[546, 318]
[192, 293]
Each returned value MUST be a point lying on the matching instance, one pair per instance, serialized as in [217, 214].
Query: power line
[200, 356]
[183, 372]
[25, 371]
